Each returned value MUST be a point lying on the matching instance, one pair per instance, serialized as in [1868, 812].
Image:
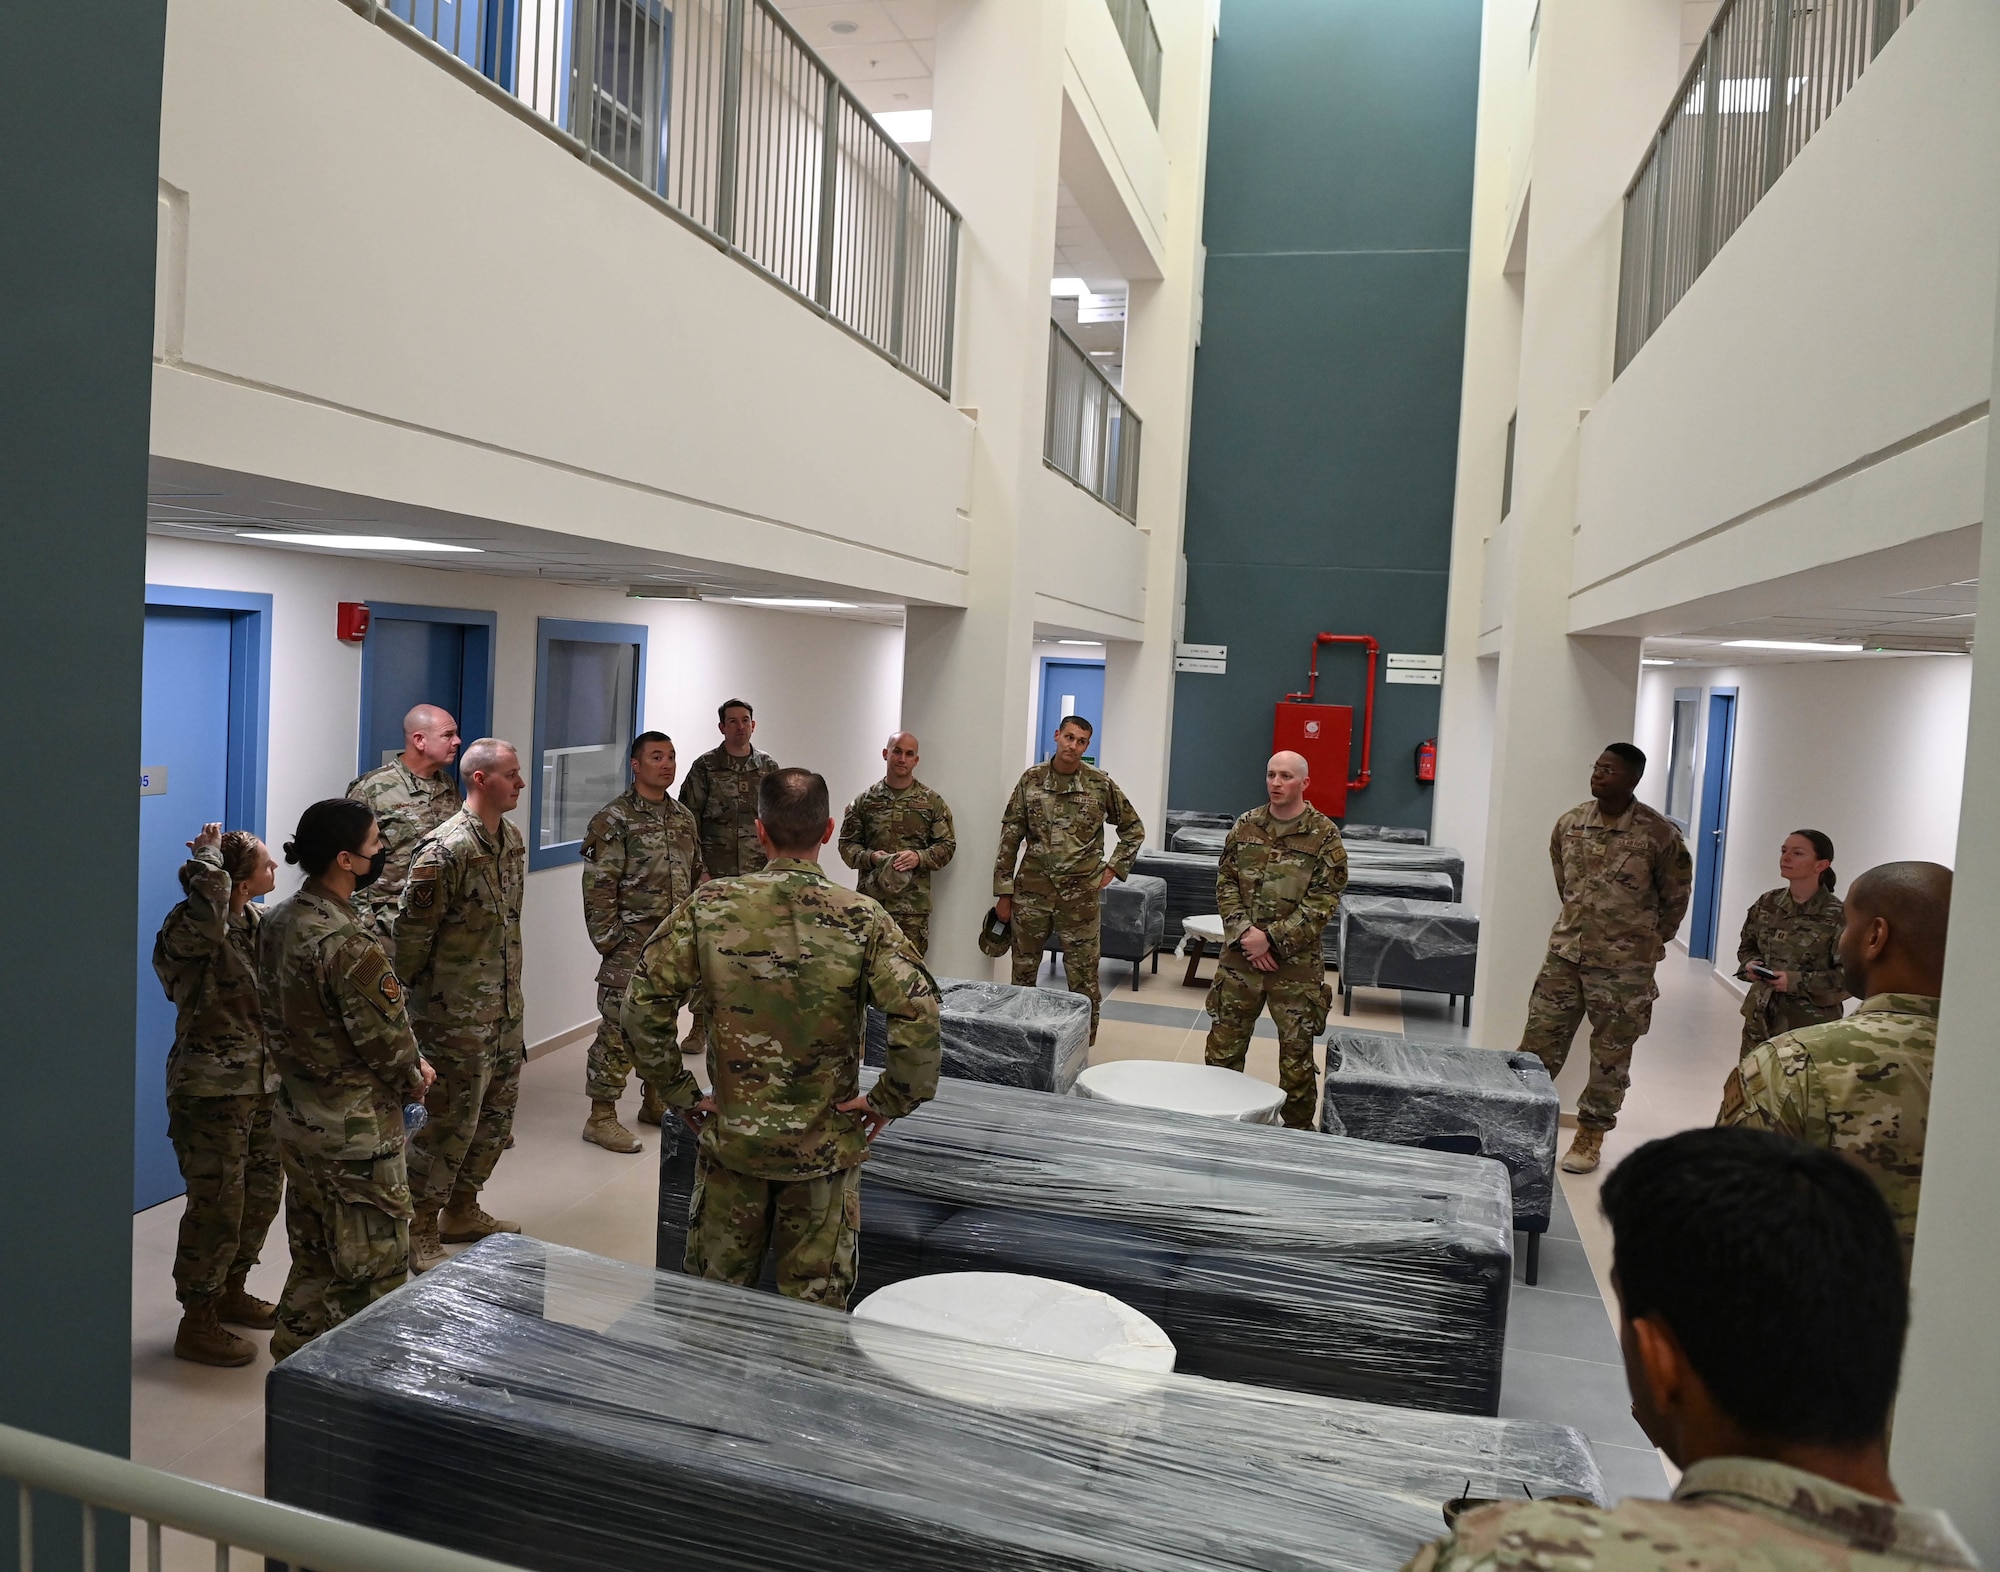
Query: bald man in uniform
[1862, 1086]
[896, 834]
[1282, 872]
[411, 795]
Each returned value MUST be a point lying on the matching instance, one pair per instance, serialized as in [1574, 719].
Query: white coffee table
[1204, 1089]
[1197, 933]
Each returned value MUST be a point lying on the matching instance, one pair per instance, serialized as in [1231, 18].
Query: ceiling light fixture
[1789, 644]
[1089, 644]
[794, 603]
[1068, 286]
[352, 542]
[662, 592]
[843, 28]
[906, 125]
[1649, 661]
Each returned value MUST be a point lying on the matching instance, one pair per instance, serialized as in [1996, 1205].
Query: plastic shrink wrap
[1394, 834]
[1272, 1256]
[1134, 918]
[1190, 881]
[1499, 1105]
[1037, 1038]
[1178, 818]
[1410, 859]
[1387, 942]
[564, 1412]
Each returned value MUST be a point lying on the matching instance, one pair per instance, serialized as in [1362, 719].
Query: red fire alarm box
[1323, 734]
[351, 622]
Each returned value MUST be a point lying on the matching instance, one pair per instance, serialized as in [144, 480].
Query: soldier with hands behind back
[789, 962]
[641, 859]
[410, 796]
[220, 1089]
[347, 1063]
[896, 834]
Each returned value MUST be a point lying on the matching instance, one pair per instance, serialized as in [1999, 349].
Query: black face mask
[375, 864]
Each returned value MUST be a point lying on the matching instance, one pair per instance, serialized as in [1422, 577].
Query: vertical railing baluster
[24, 1520]
[732, 97]
[1779, 75]
[152, 1546]
[1711, 131]
[583, 75]
[87, 1549]
[900, 262]
[829, 175]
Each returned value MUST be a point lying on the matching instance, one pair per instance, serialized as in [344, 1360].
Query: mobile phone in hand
[1761, 972]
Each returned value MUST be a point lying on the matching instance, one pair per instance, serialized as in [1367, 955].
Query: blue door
[1712, 835]
[1071, 687]
[184, 750]
[423, 655]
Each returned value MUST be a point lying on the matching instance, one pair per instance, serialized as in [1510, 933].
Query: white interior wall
[827, 692]
[1871, 751]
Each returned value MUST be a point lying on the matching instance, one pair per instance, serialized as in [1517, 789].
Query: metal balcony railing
[71, 1496]
[720, 111]
[1134, 21]
[1765, 78]
[1090, 434]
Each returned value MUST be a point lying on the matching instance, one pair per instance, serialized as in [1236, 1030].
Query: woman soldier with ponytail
[1788, 953]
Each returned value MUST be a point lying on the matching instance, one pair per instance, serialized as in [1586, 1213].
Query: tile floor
[1562, 1357]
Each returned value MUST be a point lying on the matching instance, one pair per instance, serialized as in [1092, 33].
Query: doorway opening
[415, 655]
[1712, 836]
[1071, 687]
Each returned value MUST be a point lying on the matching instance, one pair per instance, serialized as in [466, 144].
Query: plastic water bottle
[415, 1117]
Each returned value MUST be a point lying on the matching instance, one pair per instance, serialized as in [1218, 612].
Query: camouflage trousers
[916, 928]
[610, 1059]
[1783, 1013]
[1073, 915]
[1619, 1004]
[346, 1252]
[229, 1161]
[814, 1226]
[471, 1106]
[1297, 996]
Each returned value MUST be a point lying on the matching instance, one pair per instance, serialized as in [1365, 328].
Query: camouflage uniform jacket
[1062, 819]
[458, 932]
[1284, 876]
[790, 962]
[340, 1038]
[407, 807]
[1728, 1514]
[883, 821]
[1860, 1086]
[206, 959]
[721, 793]
[1787, 937]
[640, 860]
[1624, 885]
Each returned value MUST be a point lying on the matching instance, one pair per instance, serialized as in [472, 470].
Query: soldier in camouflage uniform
[896, 834]
[1624, 877]
[1282, 872]
[1795, 932]
[1059, 809]
[1765, 1373]
[641, 859]
[410, 796]
[1862, 1086]
[721, 793]
[347, 1063]
[790, 961]
[458, 949]
[220, 1086]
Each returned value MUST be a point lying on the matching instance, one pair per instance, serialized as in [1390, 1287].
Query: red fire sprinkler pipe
[1368, 708]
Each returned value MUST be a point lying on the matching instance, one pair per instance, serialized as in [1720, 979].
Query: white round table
[1008, 1310]
[1197, 934]
[1205, 1089]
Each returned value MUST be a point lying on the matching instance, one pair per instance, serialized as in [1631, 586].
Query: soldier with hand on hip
[641, 859]
[789, 962]
[458, 949]
[896, 834]
[1282, 872]
[410, 796]
[1058, 812]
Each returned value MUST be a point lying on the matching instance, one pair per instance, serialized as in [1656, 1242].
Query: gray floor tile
[1565, 1268]
[1574, 1325]
[1429, 1018]
[1631, 1471]
[1147, 1014]
[1578, 1392]
[1562, 1225]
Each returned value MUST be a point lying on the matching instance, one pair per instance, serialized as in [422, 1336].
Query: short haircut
[1915, 900]
[1776, 1266]
[794, 807]
[241, 854]
[484, 755]
[639, 742]
[1631, 755]
[722, 710]
[326, 829]
[1079, 723]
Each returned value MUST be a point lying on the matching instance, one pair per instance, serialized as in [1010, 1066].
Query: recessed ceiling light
[352, 542]
[794, 603]
[1649, 661]
[844, 28]
[1086, 643]
[1105, 354]
[662, 592]
[1068, 286]
[906, 125]
[1786, 644]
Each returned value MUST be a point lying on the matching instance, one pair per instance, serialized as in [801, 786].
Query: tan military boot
[203, 1339]
[603, 1129]
[425, 1249]
[652, 1107]
[465, 1220]
[240, 1307]
[1584, 1151]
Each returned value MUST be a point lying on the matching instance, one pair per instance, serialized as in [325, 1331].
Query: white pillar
[1947, 1438]
[1601, 77]
[996, 140]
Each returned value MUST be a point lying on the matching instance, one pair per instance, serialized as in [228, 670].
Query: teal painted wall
[1326, 392]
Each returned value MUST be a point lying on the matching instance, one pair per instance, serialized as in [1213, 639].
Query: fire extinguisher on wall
[1427, 759]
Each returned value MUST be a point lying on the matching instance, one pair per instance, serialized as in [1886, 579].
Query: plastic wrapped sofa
[1035, 1038]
